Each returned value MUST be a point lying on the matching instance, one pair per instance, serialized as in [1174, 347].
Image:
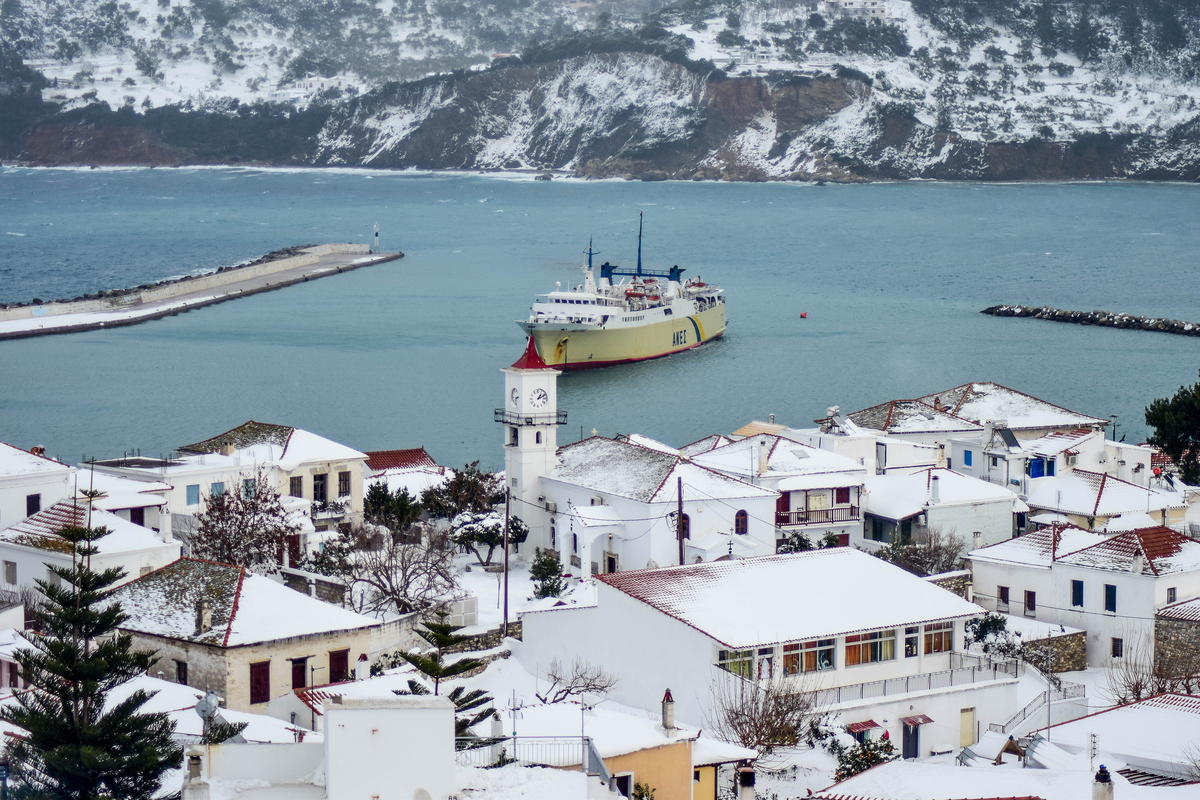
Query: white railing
[1067, 691]
[970, 670]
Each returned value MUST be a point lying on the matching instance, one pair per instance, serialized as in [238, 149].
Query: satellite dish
[208, 706]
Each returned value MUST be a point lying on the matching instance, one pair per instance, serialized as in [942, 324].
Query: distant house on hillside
[881, 646]
[27, 547]
[29, 482]
[243, 635]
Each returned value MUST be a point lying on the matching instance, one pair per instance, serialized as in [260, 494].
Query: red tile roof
[399, 459]
[530, 358]
[1159, 545]
[1184, 610]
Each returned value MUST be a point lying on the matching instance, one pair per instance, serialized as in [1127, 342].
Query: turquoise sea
[892, 277]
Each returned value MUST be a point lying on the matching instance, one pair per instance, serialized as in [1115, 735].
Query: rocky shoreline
[1106, 319]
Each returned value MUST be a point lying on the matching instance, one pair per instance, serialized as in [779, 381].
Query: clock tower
[531, 418]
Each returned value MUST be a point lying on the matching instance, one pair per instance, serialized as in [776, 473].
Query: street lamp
[1113, 417]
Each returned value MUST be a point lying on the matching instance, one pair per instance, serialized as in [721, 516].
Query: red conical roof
[530, 358]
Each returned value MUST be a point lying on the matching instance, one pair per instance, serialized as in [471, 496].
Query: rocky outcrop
[630, 115]
[1107, 319]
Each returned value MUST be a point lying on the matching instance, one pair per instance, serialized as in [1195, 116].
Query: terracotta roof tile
[245, 435]
[399, 459]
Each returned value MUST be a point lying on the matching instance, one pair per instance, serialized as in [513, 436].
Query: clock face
[538, 398]
[516, 396]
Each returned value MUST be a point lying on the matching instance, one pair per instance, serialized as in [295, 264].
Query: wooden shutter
[339, 665]
[260, 682]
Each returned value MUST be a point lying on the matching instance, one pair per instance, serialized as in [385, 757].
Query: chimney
[772, 418]
[988, 427]
[38, 450]
[668, 712]
[362, 668]
[745, 783]
[227, 449]
[935, 495]
[1102, 787]
[1139, 562]
[203, 616]
[764, 453]
[978, 539]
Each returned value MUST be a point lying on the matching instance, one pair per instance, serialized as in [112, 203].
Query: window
[181, 673]
[1118, 648]
[553, 538]
[339, 665]
[939, 637]
[299, 673]
[1030, 603]
[33, 504]
[791, 659]
[296, 487]
[685, 525]
[766, 660]
[1171, 594]
[967, 458]
[512, 437]
[995, 461]
[1002, 598]
[1040, 467]
[574, 542]
[739, 662]
[14, 675]
[193, 494]
[260, 682]
[1077, 594]
[868, 648]
[138, 516]
[248, 488]
[841, 496]
[1110, 598]
[320, 482]
[217, 489]
[812, 656]
[10, 573]
[912, 639]
[537, 437]
[343, 484]
[741, 523]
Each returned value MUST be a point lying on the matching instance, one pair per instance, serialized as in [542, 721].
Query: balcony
[521, 420]
[817, 516]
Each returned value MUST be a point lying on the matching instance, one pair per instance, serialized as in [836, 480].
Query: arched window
[685, 525]
[538, 437]
[741, 523]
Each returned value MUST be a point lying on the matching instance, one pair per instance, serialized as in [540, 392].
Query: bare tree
[246, 526]
[1191, 760]
[1142, 672]
[389, 570]
[767, 715]
[580, 678]
[931, 551]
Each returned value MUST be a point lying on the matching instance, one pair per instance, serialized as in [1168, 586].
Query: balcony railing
[542, 418]
[547, 751]
[964, 669]
[817, 516]
[1067, 691]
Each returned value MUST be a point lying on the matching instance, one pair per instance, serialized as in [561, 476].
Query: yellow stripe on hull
[584, 349]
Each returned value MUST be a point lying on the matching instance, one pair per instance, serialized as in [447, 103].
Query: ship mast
[639, 271]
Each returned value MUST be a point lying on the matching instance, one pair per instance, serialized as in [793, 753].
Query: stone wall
[1176, 646]
[205, 663]
[1068, 653]
[958, 582]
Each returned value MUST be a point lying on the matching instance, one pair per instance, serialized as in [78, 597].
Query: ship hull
[572, 347]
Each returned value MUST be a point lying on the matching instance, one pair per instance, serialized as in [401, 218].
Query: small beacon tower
[531, 418]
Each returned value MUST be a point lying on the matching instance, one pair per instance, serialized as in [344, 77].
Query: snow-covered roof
[1098, 494]
[12, 640]
[1039, 548]
[266, 443]
[15, 461]
[920, 780]
[704, 445]
[246, 608]
[639, 473]
[899, 495]
[783, 589]
[1160, 728]
[910, 416]
[1129, 521]
[42, 530]
[178, 702]
[983, 400]
[799, 466]
[614, 733]
[1184, 610]
[413, 457]
[120, 492]
[1057, 442]
[413, 480]
[646, 441]
[707, 751]
[1163, 550]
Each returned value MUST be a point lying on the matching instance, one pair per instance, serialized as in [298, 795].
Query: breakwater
[128, 307]
[1104, 319]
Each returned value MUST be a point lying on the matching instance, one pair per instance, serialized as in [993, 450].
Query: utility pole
[679, 521]
[507, 506]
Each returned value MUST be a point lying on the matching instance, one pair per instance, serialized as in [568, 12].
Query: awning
[919, 719]
[859, 727]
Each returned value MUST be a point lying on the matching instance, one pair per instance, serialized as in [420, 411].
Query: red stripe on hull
[576, 366]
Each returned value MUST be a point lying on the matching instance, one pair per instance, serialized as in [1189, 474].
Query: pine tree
[443, 637]
[864, 756]
[73, 746]
[547, 574]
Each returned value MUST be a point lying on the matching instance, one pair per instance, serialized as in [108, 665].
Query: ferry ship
[624, 315]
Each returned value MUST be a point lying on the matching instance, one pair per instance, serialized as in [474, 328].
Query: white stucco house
[29, 482]
[1109, 586]
[820, 492]
[1098, 501]
[29, 546]
[883, 646]
[901, 506]
[607, 504]
[1028, 417]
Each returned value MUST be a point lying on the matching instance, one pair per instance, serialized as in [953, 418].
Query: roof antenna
[639, 272]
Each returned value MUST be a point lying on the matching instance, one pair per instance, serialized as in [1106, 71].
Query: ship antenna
[639, 243]
[589, 253]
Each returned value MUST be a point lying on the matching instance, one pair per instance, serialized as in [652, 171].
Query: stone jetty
[1104, 319]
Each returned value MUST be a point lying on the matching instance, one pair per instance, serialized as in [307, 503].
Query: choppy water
[892, 277]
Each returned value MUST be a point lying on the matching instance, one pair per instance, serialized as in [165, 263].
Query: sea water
[891, 277]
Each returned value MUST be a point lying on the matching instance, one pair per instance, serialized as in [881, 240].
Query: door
[299, 670]
[611, 563]
[782, 506]
[911, 745]
[966, 727]
[138, 516]
[339, 665]
[293, 549]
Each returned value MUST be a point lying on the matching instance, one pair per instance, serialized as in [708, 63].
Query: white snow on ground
[488, 588]
[519, 783]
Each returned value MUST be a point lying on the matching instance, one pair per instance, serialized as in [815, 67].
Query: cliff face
[635, 116]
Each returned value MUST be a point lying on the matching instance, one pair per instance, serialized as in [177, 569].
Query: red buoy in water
[803, 315]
